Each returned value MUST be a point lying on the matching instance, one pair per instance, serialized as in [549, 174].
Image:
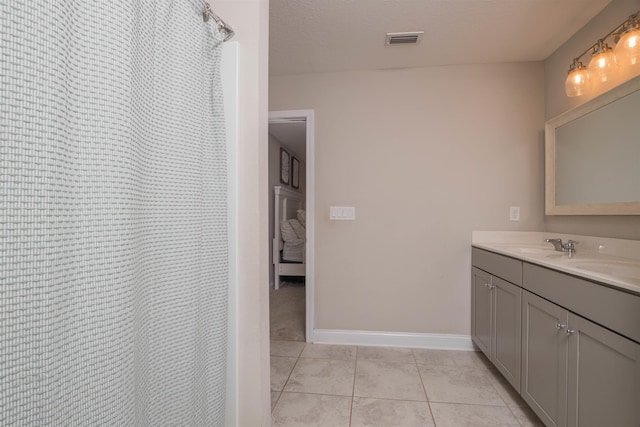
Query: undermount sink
[529, 249]
[622, 269]
[526, 250]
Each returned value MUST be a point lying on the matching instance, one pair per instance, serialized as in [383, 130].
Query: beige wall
[426, 156]
[556, 102]
[250, 20]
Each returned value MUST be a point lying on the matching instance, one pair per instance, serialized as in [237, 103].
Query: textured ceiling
[312, 36]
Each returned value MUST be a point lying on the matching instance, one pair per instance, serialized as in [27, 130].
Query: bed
[289, 242]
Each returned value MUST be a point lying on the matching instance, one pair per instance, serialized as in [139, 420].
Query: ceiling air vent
[412, 37]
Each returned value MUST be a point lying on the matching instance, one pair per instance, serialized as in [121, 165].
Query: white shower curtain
[113, 223]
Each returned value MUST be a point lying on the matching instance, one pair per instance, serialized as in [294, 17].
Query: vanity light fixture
[578, 81]
[628, 48]
[606, 62]
[603, 63]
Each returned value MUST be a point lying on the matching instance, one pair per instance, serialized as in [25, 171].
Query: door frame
[308, 115]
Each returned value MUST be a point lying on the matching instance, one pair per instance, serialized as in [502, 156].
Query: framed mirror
[592, 156]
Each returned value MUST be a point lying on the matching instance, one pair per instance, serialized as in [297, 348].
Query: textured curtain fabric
[113, 222]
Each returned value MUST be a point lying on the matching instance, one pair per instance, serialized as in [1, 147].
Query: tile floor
[333, 386]
[287, 312]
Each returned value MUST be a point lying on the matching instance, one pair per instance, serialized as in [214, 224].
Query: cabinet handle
[571, 331]
[560, 326]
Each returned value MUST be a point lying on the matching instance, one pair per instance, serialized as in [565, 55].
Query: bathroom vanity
[564, 331]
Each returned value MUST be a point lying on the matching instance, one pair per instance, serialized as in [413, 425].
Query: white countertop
[614, 262]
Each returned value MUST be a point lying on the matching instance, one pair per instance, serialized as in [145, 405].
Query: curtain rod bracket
[223, 27]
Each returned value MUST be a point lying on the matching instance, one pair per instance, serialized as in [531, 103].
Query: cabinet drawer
[502, 266]
[614, 309]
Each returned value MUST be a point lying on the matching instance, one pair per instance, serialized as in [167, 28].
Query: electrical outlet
[514, 213]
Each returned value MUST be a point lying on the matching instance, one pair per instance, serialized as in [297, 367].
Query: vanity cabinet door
[544, 359]
[604, 377]
[507, 331]
[481, 310]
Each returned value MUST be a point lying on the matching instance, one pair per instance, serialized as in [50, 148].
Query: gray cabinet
[569, 346]
[506, 335]
[603, 377]
[495, 322]
[575, 372]
[481, 310]
[544, 359]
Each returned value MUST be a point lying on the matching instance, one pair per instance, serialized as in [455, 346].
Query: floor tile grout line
[423, 388]
[394, 400]
[491, 381]
[494, 382]
[526, 408]
[318, 394]
[277, 400]
[390, 399]
[289, 376]
[514, 416]
[353, 389]
[413, 401]
[468, 404]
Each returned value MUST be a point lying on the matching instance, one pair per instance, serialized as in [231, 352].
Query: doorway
[291, 170]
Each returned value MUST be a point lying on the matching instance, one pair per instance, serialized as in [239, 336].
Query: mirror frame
[622, 208]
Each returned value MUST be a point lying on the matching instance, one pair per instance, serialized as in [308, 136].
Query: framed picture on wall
[295, 172]
[285, 166]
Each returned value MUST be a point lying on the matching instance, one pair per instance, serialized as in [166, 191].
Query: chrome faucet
[569, 247]
[557, 244]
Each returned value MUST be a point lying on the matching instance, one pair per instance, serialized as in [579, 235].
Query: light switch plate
[514, 213]
[342, 213]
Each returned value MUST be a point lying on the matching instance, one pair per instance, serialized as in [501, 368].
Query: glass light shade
[602, 65]
[628, 48]
[577, 82]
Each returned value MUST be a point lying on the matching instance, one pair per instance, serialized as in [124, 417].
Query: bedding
[302, 217]
[298, 228]
[293, 235]
[287, 232]
[289, 239]
[293, 251]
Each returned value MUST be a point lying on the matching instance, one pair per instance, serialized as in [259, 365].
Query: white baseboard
[393, 339]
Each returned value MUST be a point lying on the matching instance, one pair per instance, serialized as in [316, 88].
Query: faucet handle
[570, 246]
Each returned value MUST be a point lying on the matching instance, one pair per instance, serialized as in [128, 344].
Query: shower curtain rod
[222, 26]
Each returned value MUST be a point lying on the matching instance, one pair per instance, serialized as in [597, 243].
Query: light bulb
[603, 64]
[628, 48]
[577, 82]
